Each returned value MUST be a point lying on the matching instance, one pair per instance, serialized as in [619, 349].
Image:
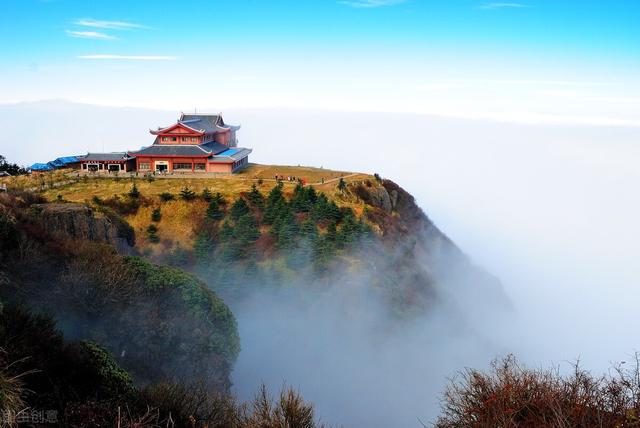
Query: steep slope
[351, 229]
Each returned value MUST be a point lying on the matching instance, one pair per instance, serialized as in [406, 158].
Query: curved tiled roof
[192, 150]
[114, 156]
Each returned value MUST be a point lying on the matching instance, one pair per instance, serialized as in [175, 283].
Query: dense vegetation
[256, 238]
[306, 228]
[291, 236]
[44, 378]
[159, 322]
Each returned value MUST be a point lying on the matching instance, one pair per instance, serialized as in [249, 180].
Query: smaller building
[40, 167]
[108, 162]
[66, 162]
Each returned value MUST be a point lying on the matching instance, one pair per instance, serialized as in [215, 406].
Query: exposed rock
[79, 221]
[394, 198]
[375, 196]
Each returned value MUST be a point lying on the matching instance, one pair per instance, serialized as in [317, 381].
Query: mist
[345, 350]
[551, 210]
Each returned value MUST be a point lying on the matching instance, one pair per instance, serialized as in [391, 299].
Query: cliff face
[361, 231]
[445, 272]
[79, 221]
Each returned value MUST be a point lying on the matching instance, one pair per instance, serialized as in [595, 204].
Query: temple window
[181, 166]
[200, 167]
[145, 166]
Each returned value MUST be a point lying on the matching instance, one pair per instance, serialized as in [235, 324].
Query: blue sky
[522, 60]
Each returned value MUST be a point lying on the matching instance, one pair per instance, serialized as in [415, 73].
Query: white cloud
[112, 25]
[95, 35]
[370, 3]
[129, 57]
[502, 6]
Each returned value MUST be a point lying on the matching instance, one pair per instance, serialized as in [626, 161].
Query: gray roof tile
[106, 156]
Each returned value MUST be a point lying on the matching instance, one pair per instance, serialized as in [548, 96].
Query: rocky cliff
[79, 221]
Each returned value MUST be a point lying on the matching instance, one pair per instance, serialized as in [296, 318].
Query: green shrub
[113, 380]
[166, 196]
[206, 194]
[134, 192]
[187, 194]
[213, 210]
[152, 233]
[156, 215]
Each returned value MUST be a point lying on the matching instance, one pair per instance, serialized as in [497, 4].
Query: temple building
[195, 143]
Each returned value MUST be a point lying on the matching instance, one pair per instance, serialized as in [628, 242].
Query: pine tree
[275, 205]
[323, 250]
[308, 230]
[333, 212]
[156, 215]
[304, 198]
[323, 209]
[213, 210]
[311, 196]
[152, 233]
[203, 247]
[255, 197]
[298, 200]
[226, 232]
[246, 230]
[219, 199]
[286, 229]
[319, 209]
[187, 194]
[206, 194]
[134, 192]
[349, 230]
[238, 209]
[332, 232]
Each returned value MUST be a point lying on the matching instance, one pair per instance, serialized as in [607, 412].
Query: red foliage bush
[514, 396]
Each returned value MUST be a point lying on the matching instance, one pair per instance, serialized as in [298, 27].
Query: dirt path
[318, 183]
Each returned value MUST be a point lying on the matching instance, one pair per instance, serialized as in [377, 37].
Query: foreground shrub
[510, 395]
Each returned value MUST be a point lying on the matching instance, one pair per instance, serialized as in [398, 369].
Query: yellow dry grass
[179, 217]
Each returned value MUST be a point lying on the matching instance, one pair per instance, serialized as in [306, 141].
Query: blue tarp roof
[40, 167]
[67, 159]
[228, 152]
